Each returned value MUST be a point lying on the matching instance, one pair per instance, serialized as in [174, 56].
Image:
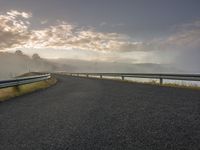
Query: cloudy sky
[132, 31]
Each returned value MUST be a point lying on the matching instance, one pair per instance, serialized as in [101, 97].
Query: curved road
[79, 113]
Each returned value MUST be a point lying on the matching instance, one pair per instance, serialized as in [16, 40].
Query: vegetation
[191, 86]
[174, 85]
[156, 83]
[7, 93]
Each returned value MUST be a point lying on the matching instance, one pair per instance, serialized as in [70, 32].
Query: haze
[100, 36]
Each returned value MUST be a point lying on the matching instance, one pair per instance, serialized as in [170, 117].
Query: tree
[19, 52]
[35, 56]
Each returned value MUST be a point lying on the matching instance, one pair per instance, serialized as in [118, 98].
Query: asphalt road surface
[80, 113]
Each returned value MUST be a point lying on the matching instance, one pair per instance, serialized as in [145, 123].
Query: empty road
[80, 113]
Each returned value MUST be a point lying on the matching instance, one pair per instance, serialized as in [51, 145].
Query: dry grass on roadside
[191, 86]
[7, 93]
[173, 85]
[153, 82]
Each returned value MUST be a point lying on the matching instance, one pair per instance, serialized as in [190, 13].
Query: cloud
[14, 14]
[68, 36]
[185, 36]
[103, 24]
[188, 36]
[13, 29]
[15, 32]
[111, 25]
[44, 21]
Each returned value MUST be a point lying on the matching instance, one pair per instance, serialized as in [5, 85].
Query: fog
[14, 64]
[74, 65]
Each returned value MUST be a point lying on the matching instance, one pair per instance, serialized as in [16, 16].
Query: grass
[173, 85]
[154, 82]
[192, 86]
[7, 93]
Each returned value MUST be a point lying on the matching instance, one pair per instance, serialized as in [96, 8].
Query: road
[80, 113]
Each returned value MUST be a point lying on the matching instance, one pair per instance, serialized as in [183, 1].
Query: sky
[130, 31]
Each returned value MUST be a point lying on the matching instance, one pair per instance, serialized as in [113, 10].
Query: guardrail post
[87, 75]
[122, 77]
[16, 88]
[161, 81]
[101, 76]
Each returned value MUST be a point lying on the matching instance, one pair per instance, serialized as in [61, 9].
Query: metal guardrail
[160, 77]
[23, 80]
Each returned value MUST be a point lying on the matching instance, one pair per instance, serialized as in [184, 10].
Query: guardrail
[23, 80]
[160, 77]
